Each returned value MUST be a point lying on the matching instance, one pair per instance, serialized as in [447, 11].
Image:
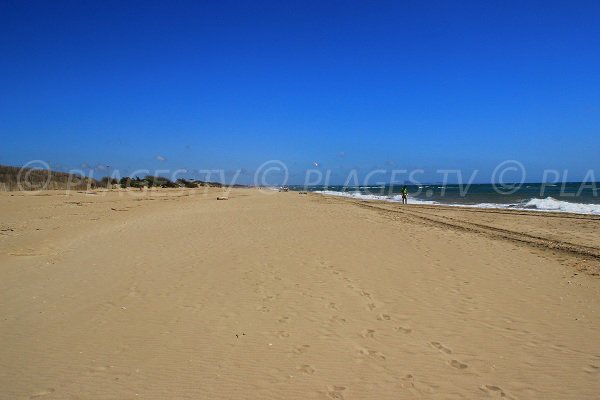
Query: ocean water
[571, 197]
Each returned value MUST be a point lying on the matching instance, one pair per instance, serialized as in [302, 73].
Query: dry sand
[175, 295]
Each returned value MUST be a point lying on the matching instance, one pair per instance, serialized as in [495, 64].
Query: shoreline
[590, 208]
[497, 231]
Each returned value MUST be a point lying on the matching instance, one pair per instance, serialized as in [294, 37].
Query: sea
[568, 197]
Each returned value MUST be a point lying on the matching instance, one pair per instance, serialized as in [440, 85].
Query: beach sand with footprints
[175, 295]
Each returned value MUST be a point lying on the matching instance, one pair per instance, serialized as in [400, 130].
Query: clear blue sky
[365, 84]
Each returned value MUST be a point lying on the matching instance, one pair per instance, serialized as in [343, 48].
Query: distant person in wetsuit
[404, 193]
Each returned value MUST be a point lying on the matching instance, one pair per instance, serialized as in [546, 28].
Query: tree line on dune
[16, 178]
[153, 181]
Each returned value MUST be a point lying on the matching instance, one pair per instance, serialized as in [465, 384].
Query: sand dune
[175, 295]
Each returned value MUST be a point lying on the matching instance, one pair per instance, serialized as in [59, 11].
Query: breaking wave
[533, 204]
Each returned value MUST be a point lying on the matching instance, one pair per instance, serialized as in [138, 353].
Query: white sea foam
[360, 196]
[547, 204]
[552, 204]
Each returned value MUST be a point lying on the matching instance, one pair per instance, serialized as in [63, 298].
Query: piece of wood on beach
[222, 198]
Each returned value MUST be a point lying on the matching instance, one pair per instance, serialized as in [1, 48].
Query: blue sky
[347, 84]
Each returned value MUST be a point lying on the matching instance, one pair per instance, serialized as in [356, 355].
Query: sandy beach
[171, 294]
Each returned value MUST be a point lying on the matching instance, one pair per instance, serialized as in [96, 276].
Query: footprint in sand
[408, 378]
[592, 369]
[372, 354]
[368, 333]
[42, 393]
[365, 294]
[335, 392]
[283, 334]
[384, 317]
[403, 329]
[98, 369]
[132, 291]
[441, 347]
[457, 364]
[108, 369]
[337, 319]
[283, 320]
[376, 354]
[302, 349]
[371, 306]
[306, 369]
[494, 390]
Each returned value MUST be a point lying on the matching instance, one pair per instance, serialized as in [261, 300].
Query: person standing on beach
[404, 193]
